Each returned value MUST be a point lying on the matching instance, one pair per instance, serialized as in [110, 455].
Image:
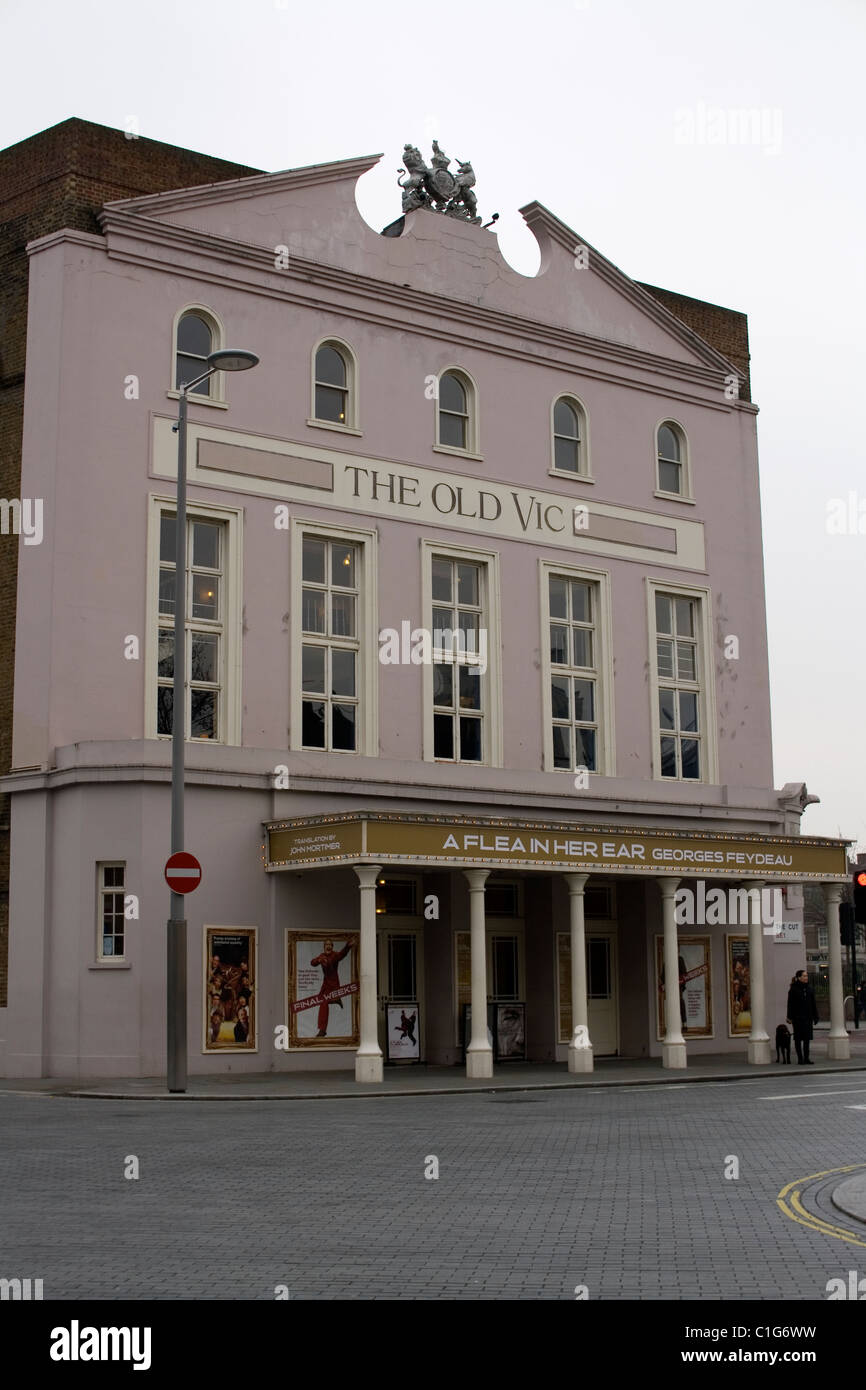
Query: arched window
[671, 458]
[332, 385]
[455, 416]
[568, 436]
[197, 337]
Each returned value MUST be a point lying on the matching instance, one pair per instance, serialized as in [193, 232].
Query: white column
[580, 1047]
[759, 1053]
[674, 1045]
[368, 1058]
[479, 1053]
[838, 1046]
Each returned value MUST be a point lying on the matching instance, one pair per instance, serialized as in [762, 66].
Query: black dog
[783, 1044]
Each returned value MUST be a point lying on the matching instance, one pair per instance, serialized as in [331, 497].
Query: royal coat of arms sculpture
[434, 187]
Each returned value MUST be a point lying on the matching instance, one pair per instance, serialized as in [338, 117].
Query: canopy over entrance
[318, 841]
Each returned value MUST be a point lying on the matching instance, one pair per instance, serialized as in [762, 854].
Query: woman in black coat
[802, 1013]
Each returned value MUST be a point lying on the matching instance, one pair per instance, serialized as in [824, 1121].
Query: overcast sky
[622, 117]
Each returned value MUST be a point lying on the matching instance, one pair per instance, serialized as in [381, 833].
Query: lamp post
[225, 360]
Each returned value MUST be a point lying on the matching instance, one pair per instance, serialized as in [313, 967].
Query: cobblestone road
[621, 1191]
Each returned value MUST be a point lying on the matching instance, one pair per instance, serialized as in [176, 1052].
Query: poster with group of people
[230, 1007]
[739, 987]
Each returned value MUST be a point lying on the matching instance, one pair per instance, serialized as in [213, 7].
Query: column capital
[576, 882]
[752, 883]
[667, 885]
[476, 879]
[367, 874]
[832, 892]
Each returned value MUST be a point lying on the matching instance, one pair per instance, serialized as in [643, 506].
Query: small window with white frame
[197, 334]
[111, 918]
[569, 438]
[335, 386]
[457, 413]
[672, 461]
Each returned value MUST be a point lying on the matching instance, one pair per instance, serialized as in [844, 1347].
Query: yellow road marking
[806, 1218]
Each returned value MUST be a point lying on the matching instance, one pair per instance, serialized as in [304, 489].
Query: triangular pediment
[312, 212]
[604, 300]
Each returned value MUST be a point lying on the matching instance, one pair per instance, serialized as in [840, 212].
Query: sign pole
[176, 1064]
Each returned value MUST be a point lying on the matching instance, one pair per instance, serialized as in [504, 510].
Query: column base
[759, 1052]
[368, 1068]
[580, 1059]
[839, 1049]
[674, 1055]
[479, 1064]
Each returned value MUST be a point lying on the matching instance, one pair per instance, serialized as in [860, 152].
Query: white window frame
[606, 737]
[367, 674]
[687, 495]
[101, 890]
[492, 736]
[233, 571]
[584, 473]
[473, 427]
[217, 381]
[353, 412]
[706, 678]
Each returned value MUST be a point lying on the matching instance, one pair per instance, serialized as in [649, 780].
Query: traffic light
[860, 896]
[846, 924]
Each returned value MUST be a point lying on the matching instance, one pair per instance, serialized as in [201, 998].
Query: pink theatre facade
[477, 699]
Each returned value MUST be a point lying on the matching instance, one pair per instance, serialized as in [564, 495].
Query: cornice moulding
[536, 215]
[285, 180]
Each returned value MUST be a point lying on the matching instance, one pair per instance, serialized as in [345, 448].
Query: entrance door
[400, 975]
[601, 991]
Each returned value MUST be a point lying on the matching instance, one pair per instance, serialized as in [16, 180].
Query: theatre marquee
[316, 842]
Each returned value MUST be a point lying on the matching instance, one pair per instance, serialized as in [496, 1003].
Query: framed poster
[403, 1024]
[696, 1008]
[230, 989]
[739, 987]
[323, 986]
[510, 1030]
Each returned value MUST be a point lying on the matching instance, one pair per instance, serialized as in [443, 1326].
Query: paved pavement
[429, 1080]
[621, 1190]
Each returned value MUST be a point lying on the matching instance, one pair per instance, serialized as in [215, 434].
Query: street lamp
[225, 360]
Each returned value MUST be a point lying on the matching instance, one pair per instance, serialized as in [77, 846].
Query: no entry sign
[182, 872]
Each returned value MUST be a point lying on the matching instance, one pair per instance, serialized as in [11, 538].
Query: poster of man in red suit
[323, 989]
[329, 960]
